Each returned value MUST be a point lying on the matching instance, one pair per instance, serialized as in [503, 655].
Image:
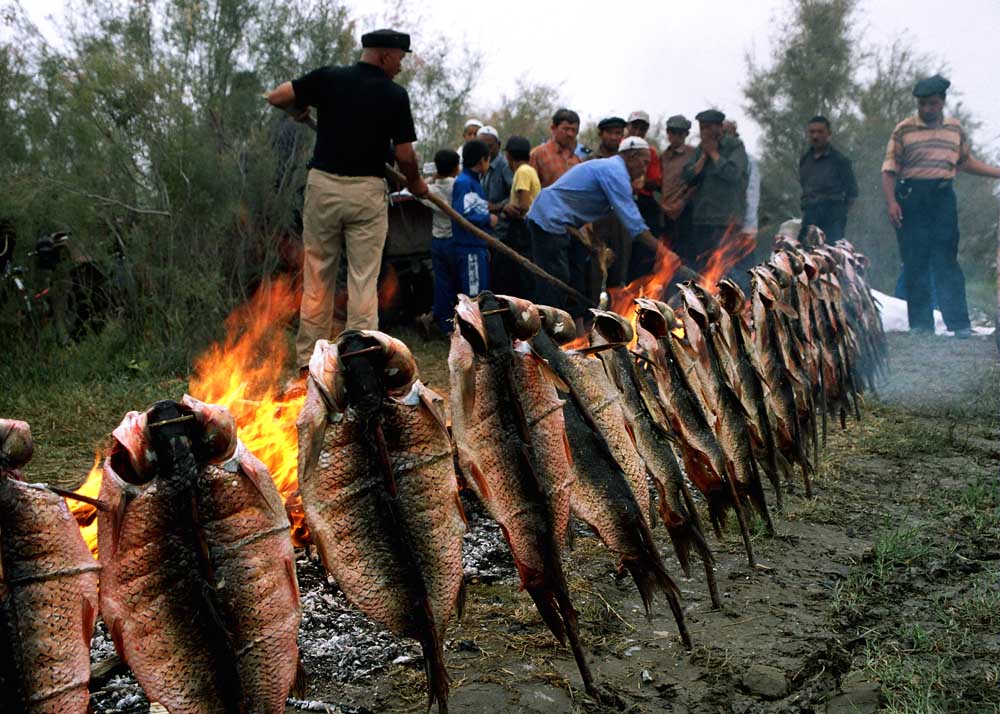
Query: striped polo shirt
[916, 151]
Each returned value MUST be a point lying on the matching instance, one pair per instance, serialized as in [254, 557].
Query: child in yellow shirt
[509, 278]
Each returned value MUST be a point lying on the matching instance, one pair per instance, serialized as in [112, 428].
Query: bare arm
[406, 157]
[283, 97]
[889, 191]
[979, 168]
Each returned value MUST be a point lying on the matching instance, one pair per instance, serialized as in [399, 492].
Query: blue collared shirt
[586, 192]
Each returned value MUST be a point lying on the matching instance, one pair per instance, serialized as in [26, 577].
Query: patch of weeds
[910, 684]
[979, 609]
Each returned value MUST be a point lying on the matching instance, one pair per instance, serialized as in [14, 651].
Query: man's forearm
[980, 168]
[889, 187]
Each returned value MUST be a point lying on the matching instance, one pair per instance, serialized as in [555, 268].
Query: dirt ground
[882, 592]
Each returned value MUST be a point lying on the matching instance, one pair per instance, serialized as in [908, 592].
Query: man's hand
[494, 219]
[895, 213]
[639, 183]
[418, 188]
[512, 211]
[710, 147]
[303, 116]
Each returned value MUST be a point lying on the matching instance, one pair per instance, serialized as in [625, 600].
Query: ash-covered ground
[337, 642]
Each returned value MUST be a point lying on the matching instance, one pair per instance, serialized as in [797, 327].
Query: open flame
[243, 374]
[733, 248]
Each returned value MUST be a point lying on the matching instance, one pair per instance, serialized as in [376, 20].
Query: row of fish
[689, 404]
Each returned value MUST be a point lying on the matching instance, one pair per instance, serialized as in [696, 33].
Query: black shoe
[921, 331]
[963, 333]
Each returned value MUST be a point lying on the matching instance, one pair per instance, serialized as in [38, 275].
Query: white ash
[486, 557]
[121, 694]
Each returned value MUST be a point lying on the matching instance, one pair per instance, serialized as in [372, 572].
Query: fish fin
[460, 508]
[479, 478]
[432, 402]
[433, 649]
[786, 309]
[89, 619]
[566, 447]
[460, 601]
[301, 684]
[117, 639]
[255, 479]
[118, 520]
[293, 580]
[548, 373]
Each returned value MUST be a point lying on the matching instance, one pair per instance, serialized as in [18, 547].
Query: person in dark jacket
[828, 185]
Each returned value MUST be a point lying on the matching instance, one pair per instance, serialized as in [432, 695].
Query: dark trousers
[642, 260]
[555, 253]
[829, 216]
[507, 276]
[928, 242]
[457, 269]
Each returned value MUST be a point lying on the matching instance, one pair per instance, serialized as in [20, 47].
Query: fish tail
[434, 668]
[701, 544]
[548, 608]
[572, 630]
[656, 573]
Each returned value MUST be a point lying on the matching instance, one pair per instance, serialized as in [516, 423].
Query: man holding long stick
[362, 113]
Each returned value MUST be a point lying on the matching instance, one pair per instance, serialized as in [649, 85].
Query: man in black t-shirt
[829, 188]
[362, 115]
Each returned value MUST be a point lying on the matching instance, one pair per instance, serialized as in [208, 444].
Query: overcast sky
[668, 57]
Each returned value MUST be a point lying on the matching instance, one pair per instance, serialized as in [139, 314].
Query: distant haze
[670, 58]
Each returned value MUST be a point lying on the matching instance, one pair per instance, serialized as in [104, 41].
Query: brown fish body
[252, 559]
[653, 442]
[48, 602]
[509, 429]
[156, 596]
[380, 497]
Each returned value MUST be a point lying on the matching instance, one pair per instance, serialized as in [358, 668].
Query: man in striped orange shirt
[923, 156]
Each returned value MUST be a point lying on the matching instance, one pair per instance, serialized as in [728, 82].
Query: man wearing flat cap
[676, 193]
[718, 169]
[924, 153]
[363, 121]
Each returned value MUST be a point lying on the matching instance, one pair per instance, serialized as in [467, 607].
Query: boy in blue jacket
[461, 263]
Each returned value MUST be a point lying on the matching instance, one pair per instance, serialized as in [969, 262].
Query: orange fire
[243, 374]
[734, 247]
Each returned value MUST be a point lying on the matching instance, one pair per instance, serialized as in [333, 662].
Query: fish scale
[392, 540]
[48, 602]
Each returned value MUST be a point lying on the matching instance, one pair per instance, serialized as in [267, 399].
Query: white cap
[630, 143]
[489, 131]
[472, 122]
[638, 115]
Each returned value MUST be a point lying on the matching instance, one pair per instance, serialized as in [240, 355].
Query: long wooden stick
[493, 242]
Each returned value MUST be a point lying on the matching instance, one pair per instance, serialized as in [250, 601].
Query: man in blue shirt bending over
[583, 194]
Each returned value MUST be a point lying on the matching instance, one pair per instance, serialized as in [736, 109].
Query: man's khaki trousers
[340, 213]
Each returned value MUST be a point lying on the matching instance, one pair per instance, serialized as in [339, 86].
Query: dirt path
[881, 591]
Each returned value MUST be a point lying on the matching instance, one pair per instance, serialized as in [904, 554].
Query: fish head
[497, 321]
[399, 368]
[131, 456]
[521, 317]
[656, 317]
[610, 328]
[731, 296]
[16, 444]
[469, 322]
[215, 434]
[368, 366]
[557, 324]
[693, 304]
[173, 433]
[814, 237]
[326, 374]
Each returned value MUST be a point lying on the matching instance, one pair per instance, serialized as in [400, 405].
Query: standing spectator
[582, 195]
[508, 277]
[498, 179]
[446, 167]
[557, 155]
[676, 193]
[749, 227]
[469, 132]
[362, 113]
[828, 185]
[461, 264]
[642, 260]
[921, 161]
[718, 169]
[608, 230]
